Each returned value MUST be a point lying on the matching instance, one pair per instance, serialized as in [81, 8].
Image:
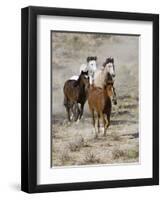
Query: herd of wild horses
[95, 84]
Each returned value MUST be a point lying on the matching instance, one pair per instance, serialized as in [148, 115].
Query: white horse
[90, 66]
[101, 74]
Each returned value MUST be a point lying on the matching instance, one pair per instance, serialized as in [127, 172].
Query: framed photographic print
[90, 99]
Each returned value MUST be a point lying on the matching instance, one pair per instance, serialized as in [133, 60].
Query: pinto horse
[102, 73]
[99, 101]
[75, 91]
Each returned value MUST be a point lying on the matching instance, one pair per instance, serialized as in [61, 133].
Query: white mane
[90, 67]
[74, 77]
[83, 68]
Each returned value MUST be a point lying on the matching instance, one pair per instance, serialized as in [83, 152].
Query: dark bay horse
[99, 101]
[75, 92]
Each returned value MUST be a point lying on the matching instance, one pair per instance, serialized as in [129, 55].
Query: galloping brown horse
[75, 91]
[99, 101]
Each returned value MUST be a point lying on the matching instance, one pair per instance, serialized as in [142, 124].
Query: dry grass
[64, 156]
[125, 154]
[117, 153]
[91, 158]
[76, 144]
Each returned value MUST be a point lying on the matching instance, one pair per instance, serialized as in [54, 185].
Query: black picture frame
[29, 99]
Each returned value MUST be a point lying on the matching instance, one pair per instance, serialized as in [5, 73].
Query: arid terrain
[75, 143]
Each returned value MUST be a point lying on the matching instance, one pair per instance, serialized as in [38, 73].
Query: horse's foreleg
[98, 123]
[107, 119]
[114, 96]
[72, 111]
[76, 112]
[94, 123]
[81, 110]
[104, 121]
[68, 112]
[93, 118]
[67, 106]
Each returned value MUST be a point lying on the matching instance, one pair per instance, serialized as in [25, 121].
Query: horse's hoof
[77, 121]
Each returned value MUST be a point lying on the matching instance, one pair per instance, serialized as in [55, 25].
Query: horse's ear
[88, 59]
[82, 72]
[104, 64]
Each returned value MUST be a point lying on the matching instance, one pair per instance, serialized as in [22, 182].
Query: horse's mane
[108, 60]
[77, 82]
[89, 58]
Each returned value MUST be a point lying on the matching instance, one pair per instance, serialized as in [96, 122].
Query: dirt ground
[74, 144]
